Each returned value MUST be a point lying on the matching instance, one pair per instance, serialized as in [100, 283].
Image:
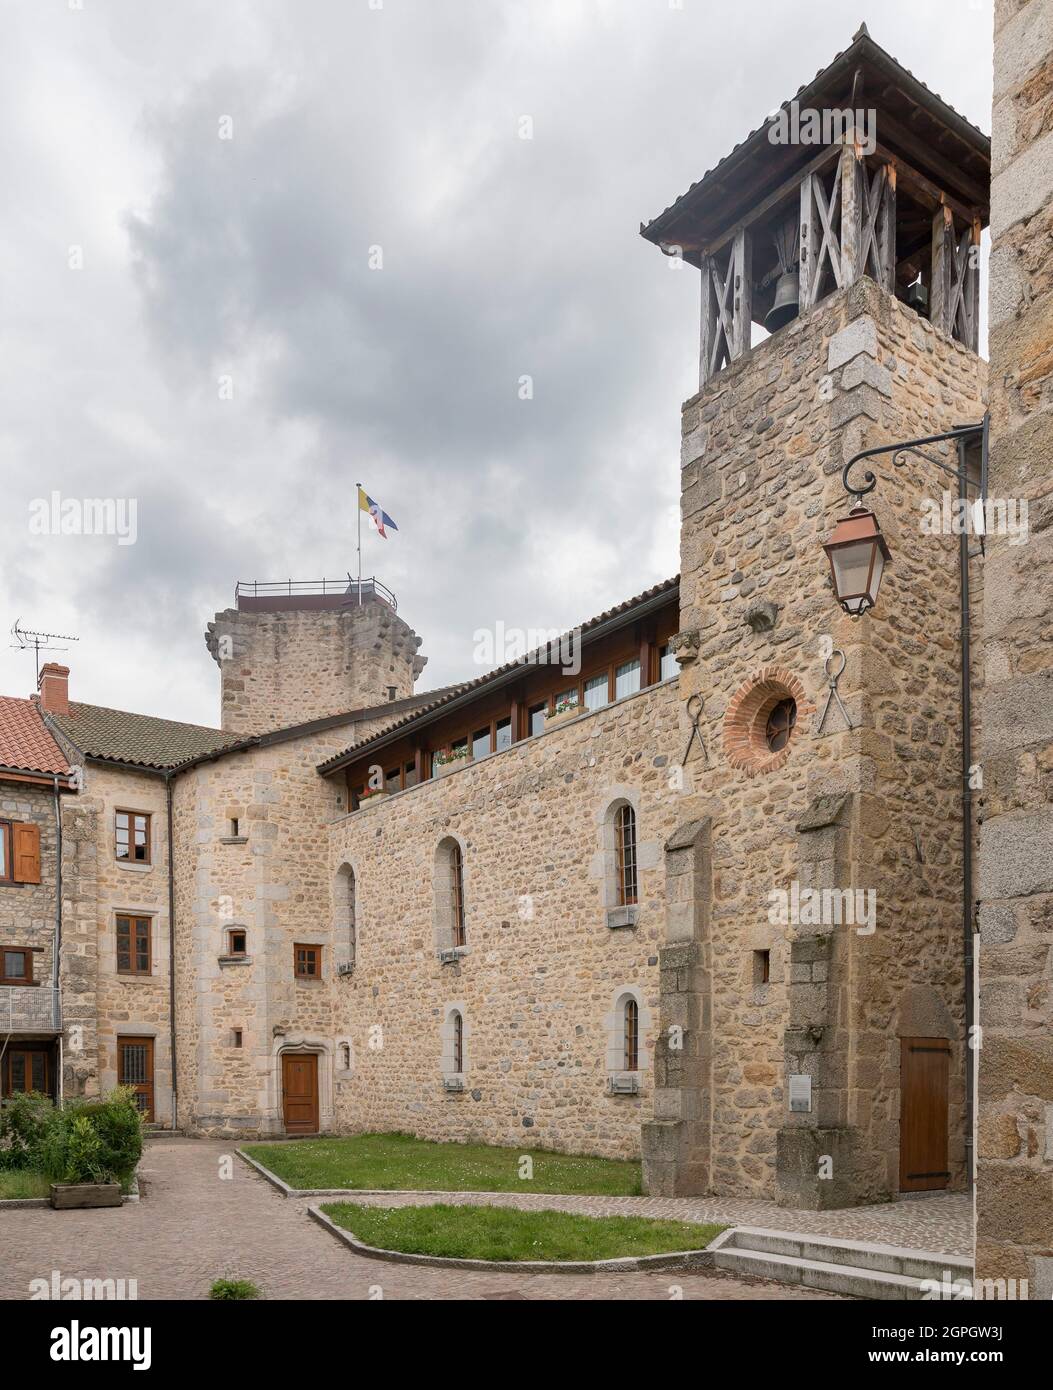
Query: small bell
[787, 303]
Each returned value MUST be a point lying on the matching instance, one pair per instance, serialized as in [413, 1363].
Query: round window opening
[780, 725]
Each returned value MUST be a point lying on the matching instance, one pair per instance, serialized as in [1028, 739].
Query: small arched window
[457, 896]
[345, 915]
[625, 849]
[631, 1036]
[457, 1025]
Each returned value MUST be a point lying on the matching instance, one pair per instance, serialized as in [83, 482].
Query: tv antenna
[39, 641]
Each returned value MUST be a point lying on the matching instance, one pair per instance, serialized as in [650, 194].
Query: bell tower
[813, 999]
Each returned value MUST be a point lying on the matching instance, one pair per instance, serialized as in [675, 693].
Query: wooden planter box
[71, 1196]
[553, 719]
[444, 769]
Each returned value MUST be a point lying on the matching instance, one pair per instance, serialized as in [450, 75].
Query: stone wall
[288, 667]
[1014, 1238]
[27, 910]
[272, 881]
[764, 446]
[543, 977]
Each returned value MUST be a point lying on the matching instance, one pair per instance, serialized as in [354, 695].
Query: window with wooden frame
[457, 893]
[625, 849]
[16, 965]
[132, 836]
[19, 852]
[307, 962]
[668, 666]
[25, 1067]
[536, 716]
[133, 945]
[457, 1024]
[237, 941]
[631, 1035]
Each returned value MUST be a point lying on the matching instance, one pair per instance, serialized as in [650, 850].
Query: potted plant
[565, 709]
[372, 794]
[449, 760]
[91, 1149]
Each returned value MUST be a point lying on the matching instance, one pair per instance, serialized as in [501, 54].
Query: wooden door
[135, 1068]
[300, 1092]
[925, 1065]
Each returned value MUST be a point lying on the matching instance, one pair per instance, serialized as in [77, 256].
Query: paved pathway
[194, 1225]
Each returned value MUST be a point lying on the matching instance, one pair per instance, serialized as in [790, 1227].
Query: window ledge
[453, 1083]
[619, 917]
[449, 955]
[133, 868]
[623, 1083]
[309, 979]
[233, 839]
[235, 960]
[346, 967]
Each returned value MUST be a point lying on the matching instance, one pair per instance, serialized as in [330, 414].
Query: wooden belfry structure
[863, 172]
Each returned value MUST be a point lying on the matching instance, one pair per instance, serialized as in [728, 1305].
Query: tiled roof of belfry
[667, 587]
[25, 743]
[161, 745]
[141, 740]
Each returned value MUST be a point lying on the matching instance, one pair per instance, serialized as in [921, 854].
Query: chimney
[53, 684]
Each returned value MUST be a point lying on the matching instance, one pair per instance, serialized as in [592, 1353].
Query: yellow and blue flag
[378, 515]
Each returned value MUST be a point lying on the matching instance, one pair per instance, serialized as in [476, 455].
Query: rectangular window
[456, 747]
[503, 734]
[537, 718]
[761, 967]
[25, 1068]
[411, 775]
[132, 836]
[16, 966]
[567, 698]
[596, 691]
[627, 679]
[133, 945]
[307, 962]
[481, 743]
[667, 663]
[234, 824]
[393, 780]
[237, 1037]
[238, 943]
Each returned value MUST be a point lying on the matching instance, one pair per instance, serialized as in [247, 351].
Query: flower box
[373, 796]
[561, 716]
[72, 1196]
[442, 769]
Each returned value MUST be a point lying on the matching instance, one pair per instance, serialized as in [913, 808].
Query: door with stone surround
[135, 1068]
[925, 1065]
[300, 1092]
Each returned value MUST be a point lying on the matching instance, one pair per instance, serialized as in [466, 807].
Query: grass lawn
[502, 1233]
[398, 1162]
[23, 1183]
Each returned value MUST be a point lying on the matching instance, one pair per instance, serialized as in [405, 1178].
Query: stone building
[1014, 1236]
[562, 903]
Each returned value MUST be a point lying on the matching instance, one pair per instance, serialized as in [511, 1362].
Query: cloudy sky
[193, 321]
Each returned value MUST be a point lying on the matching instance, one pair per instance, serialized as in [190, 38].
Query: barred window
[631, 1025]
[457, 895]
[625, 845]
[457, 1023]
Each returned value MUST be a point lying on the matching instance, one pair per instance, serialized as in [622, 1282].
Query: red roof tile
[25, 743]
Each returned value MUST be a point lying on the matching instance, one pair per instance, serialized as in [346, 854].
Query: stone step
[862, 1269]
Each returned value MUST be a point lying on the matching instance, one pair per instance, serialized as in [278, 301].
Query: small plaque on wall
[800, 1092]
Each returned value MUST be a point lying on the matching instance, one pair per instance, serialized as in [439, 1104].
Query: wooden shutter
[26, 853]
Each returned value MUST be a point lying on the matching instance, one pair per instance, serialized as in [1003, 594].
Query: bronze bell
[787, 304]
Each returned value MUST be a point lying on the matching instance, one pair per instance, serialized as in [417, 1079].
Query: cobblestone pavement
[942, 1222]
[192, 1227]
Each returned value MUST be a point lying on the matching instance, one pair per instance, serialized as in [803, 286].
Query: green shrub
[25, 1120]
[85, 1141]
[234, 1289]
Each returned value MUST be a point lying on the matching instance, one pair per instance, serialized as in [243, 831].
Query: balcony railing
[30, 1009]
[249, 593]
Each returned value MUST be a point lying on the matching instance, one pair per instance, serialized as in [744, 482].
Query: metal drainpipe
[171, 953]
[55, 976]
[967, 816]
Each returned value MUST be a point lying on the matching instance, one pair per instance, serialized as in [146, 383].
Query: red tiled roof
[25, 743]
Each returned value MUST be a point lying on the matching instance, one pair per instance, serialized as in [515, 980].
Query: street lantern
[858, 554]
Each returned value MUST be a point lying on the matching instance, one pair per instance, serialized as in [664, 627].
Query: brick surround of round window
[746, 720]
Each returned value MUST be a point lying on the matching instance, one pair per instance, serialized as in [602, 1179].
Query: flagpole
[358, 508]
